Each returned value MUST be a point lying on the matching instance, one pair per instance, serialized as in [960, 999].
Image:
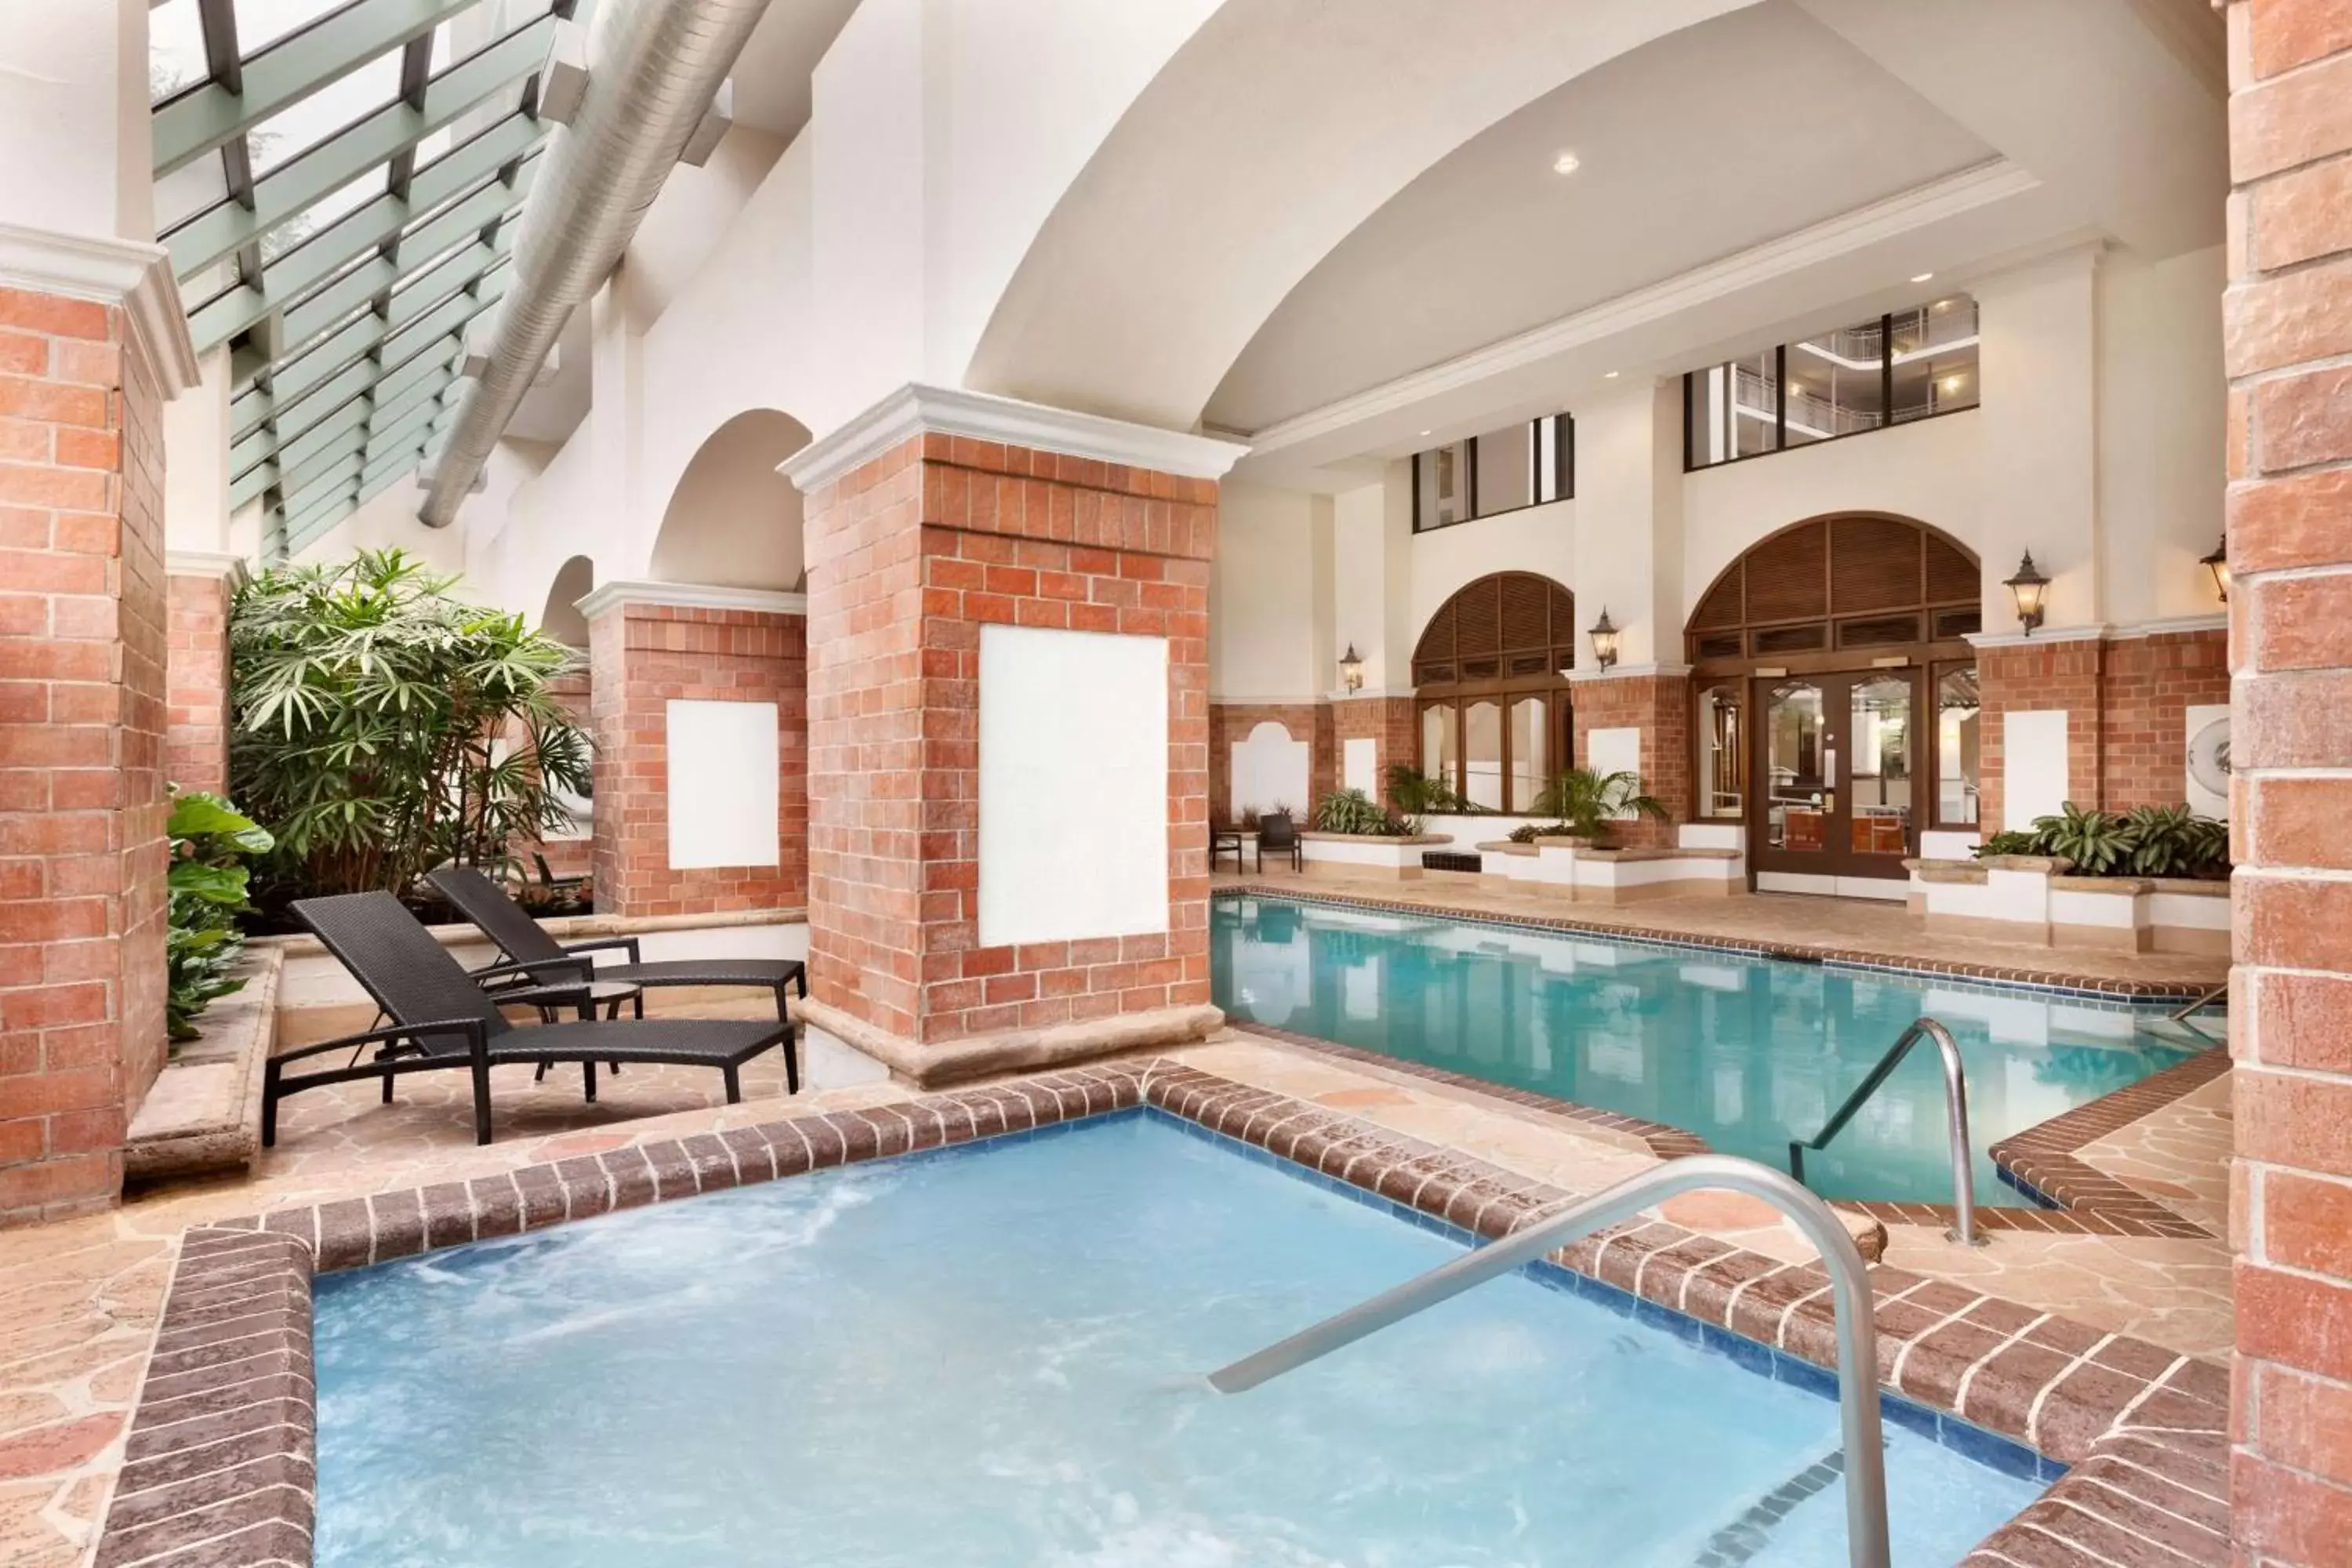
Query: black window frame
[1563, 473]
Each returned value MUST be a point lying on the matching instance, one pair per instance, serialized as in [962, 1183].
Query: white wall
[2160, 463]
[1270, 598]
[2037, 342]
[195, 460]
[1533, 539]
[74, 116]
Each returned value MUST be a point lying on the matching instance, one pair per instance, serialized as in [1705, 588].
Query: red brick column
[1230, 724]
[1390, 723]
[82, 851]
[2152, 682]
[1659, 706]
[916, 541]
[2033, 675]
[196, 726]
[650, 644]
[2287, 334]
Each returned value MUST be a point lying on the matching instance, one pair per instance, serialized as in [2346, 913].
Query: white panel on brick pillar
[992, 587]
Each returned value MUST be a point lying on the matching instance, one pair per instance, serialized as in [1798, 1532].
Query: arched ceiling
[1697, 146]
[733, 521]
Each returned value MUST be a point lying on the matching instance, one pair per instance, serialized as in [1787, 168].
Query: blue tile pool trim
[2144, 995]
[1989, 1448]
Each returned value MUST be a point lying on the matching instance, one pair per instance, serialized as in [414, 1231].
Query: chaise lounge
[442, 1019]
[534, 953]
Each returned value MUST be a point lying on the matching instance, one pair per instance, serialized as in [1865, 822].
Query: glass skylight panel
[261, 22]
[322, 212]
[302, 125]
[189, 190]
[175, 48]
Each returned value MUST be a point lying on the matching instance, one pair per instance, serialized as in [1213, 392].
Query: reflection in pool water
[1748, 1053]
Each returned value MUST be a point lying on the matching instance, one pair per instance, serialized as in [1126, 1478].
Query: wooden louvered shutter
[1788, 575]
[1721, 607]
[1952, 577]
[1873, 564]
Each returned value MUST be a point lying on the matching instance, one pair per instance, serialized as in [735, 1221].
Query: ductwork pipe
[657, 66]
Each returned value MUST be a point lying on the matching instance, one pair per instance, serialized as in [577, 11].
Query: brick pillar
[1309, 723]
[2287, 334]
[1658, 705]
[2060, 670]
[652, 647]
[2153, 679]
[927, 531]
[1389, 722]
[82, 808]
[571, 856]
[198, 589]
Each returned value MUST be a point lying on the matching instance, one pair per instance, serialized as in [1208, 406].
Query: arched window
[1493, 698]
[1833, 694]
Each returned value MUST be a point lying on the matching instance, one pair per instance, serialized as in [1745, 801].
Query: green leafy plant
[2174, 841]
[2095, 841]
[1528, 833]
[210, 842]
[385, 725]
[1418, 794]
[1353, 811]
[2015, 841]
[1586, 801]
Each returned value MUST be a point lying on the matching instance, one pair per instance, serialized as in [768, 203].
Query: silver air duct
[658, 63]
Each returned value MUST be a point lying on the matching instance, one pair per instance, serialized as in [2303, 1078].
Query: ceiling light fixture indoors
[1921, 277]
[1565, 164]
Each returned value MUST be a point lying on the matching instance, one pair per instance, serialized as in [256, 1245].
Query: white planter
[2031, 899]
[1360, 854]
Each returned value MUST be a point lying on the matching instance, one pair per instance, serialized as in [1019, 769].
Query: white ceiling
[1699, 145]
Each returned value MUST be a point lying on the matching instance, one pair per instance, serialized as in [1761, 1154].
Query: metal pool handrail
[1857, 1336]
[1956, 1118]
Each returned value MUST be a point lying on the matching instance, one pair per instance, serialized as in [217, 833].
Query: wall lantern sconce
[2028, 588]
[1351, 669]
[1604, 640]
[2218, 564]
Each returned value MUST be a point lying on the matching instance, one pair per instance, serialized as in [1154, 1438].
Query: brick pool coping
[2066, 983]
[219, 1464]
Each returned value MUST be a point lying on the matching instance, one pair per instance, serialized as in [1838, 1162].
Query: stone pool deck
[80, 1302]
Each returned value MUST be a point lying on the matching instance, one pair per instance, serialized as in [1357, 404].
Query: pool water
[1748, 1053]
[994, 1355]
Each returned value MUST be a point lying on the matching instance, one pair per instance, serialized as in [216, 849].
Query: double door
[1837, 774]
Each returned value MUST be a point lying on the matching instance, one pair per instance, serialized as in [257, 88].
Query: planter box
[1574, 868]
[1363, 854]
[203, 1112]
[2034, 899]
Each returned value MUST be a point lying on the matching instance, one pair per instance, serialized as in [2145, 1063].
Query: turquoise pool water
[1748, 1053]
[995, 1356]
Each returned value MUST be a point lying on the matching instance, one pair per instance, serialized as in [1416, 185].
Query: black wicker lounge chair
[534, 951]
[1278, 833]
[442, 1019]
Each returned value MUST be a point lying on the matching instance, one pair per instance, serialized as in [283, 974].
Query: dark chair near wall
[1278, 834]
[550, 881]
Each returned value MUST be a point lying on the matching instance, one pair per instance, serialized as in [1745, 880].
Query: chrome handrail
[1857, 1335]
[1956, 1118]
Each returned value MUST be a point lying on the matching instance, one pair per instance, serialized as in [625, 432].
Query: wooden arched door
[1493, 701]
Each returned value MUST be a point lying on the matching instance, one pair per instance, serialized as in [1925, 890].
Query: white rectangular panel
[1073, 784]
[723, 789]
[1357, 765]
[2033, 780]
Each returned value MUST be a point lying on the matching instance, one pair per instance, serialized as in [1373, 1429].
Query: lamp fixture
[1351, 669]
[2029, 588]
[2218, 564]
[1565, 164]
[1922, 277]
[1608, 375]
[1604, 640]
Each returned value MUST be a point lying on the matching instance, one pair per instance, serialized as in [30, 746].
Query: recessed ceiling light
[1608, 375]
[1424, 432]
[1565, 164]
[1921, 277]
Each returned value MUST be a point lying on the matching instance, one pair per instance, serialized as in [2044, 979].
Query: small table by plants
[1231, 841]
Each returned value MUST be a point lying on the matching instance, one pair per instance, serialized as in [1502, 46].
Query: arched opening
[734, 521]
[562, 618]
[1834, 697]
[1489, 671]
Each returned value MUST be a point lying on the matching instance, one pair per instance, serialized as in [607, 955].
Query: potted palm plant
[1584, 803]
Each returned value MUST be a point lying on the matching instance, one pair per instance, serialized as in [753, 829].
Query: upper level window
[1892, 370]
[1526, 464]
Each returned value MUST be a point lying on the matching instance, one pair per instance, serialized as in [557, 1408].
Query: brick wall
[1659, 706]
[2287, 332]
[641, 657]
[83, 852]
[1230, 724]
[2151, 683]
[1392, 724]
[197, 725]
[566, 857]
[2032, 676]
[909, 555]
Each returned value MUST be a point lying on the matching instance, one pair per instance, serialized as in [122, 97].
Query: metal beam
[192, 123]
[321, 309]
[286, 281]
[291, 189]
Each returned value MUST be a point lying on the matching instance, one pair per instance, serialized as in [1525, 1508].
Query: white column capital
[134, 277]
[691, 596]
